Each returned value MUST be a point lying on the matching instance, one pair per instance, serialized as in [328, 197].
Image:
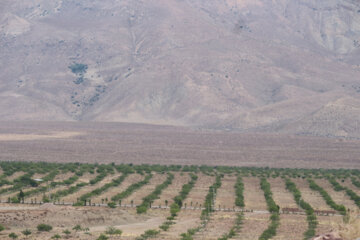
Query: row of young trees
[329, 201]
[127, 192]
[239, 192]
[338, 187]
[310, 216]
[235, 229]
[10, 168]
[208, 208]
[273, 209]
[147, 201]
[178, 202]
[115, 182]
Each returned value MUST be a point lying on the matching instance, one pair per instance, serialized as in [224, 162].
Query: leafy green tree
[113, 231]
[26, 232]
[44, 228]
[111, 205]
[67, 233]
[21, 196]
[102, 237]
[77, 228]
[13, 236]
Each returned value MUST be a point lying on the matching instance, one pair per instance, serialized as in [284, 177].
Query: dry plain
[134, 144]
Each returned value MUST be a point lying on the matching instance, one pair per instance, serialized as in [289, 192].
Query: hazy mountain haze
[289, 66]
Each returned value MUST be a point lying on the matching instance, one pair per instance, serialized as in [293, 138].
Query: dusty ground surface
[281, 196]
[225, 197]
[136, 143]
[291, 227]
[254, 225]
[254, 199]
[17, 217]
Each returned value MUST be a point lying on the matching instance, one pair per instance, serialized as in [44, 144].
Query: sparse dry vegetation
[216, 202]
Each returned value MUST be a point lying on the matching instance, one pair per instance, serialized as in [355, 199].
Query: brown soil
[253, 195]
[282, 197]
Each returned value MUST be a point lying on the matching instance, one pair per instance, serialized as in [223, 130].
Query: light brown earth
[225, 196]
[15, 176]
[28, 137]
[17, 217]
[254, 225]
[137, 144]
[281, 196]
[327, 224]
[220, 223]
[292, 227]
[253, 195]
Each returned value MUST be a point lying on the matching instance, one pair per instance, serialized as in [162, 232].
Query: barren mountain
[257, 65]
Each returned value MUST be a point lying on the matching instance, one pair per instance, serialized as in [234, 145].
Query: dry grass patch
[328, 224]
[225, 196]
[282, 197]
[220, 223]
[253, 195]
[254, 225]
[291, 227]
[15, 176]
[48, 135]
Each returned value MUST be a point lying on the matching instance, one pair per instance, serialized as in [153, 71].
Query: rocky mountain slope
[284, 65]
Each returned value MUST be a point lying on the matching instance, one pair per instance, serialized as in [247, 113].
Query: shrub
[102, 237]
[141, 209]
[77, 227]
[113, 231]
[148, 234]
[44, 227]
[2, 228]
[111, 204]
[78, 68]
[26, 232]
[13, 236]
[174, 209]
[56, 236]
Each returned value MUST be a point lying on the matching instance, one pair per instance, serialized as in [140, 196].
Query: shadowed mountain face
[285, 65]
